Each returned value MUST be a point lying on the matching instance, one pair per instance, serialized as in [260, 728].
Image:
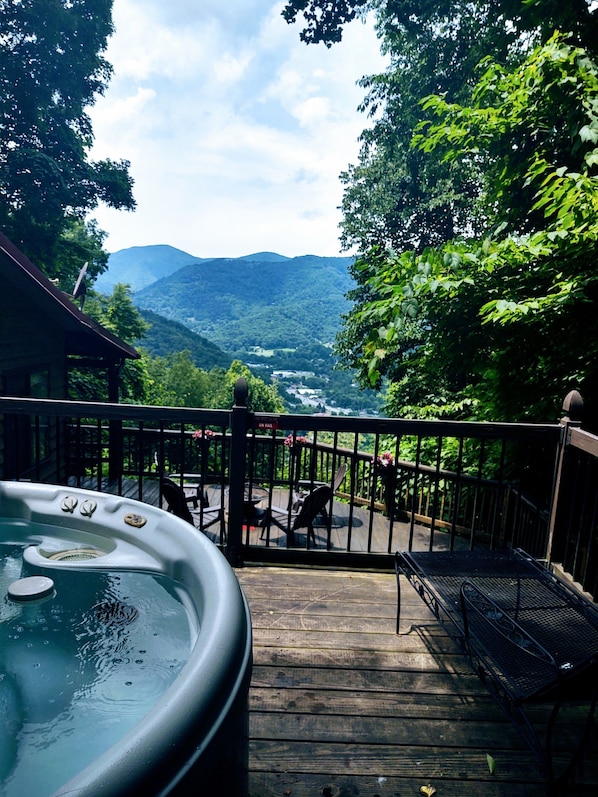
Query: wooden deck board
[341, 706]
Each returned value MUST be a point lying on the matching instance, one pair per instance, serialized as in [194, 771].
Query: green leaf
[491, 764]
[410, 307]
[589, 133]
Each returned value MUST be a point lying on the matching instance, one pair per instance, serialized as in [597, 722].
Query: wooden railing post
[236, 476]
[573, 409]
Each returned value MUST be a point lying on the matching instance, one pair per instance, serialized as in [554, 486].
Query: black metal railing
[442, 484]
[467, 484]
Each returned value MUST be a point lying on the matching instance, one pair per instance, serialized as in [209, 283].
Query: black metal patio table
[528, 634]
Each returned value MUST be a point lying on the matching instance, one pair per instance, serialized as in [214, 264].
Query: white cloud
[127, 109]
[230, 69]
[236, 131]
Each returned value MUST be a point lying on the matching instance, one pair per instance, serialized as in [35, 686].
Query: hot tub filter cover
[31, 588]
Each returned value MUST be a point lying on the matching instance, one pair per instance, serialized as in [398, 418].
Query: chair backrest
[312, 505]
[202, 496]
[175, 498]
[339, 476]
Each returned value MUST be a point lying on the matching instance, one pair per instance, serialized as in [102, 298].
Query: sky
[235, 130]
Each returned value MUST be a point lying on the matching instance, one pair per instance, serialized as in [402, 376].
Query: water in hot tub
[80, 668]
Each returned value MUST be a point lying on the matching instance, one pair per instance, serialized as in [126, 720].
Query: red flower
[299, 440]
[203, 434]
[384, 460]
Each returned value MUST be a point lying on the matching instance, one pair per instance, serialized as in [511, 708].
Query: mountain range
[264, 300]
[277, 314]
[139, 266]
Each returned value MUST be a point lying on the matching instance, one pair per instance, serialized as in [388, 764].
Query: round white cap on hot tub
[31, 588]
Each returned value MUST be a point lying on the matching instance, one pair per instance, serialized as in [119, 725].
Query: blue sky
[235, 130]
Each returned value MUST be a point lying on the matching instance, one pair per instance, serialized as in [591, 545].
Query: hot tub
[125, 650]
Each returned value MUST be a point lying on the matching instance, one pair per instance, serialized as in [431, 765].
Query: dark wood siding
[29, 343]
[32, 363]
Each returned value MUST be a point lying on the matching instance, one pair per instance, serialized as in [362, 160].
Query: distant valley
[275, 313]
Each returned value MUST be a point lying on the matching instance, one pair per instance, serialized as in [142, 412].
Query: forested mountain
[139, 266]
[275, 313]
[264, 257]
[165, 337]
[244, 303]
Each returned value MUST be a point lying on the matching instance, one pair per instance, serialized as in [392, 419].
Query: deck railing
[573, 538]
[464, 484]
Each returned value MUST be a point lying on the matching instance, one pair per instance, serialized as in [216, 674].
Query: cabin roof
[84, 336]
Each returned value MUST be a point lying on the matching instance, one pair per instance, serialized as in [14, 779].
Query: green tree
[492, 326]
[121, 316]
[51, 71]
[262, 397]
[118, 314]
[396, 197]
[324, 20]
[414, 213]
[176, 381]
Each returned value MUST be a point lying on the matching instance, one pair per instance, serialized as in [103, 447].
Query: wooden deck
[356, 530]
[340, 706]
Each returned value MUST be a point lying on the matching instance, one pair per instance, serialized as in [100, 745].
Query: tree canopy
[324, 20]
[472, 206]
[51, 70]
[175, 381]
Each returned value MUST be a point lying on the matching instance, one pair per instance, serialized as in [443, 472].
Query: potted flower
[295, 443]
[203, 437]
[384, 462]
[291, 441]
[385, 468]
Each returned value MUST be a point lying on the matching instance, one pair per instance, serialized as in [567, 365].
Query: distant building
[292, 374]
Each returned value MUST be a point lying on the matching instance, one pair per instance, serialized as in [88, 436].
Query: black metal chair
[200, 516]
[290, 521]
[304, 486]
[530, 636]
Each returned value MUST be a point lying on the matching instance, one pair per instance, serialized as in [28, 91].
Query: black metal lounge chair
[529, 636]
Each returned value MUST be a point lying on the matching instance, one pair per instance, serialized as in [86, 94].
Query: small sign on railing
[267, 422]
